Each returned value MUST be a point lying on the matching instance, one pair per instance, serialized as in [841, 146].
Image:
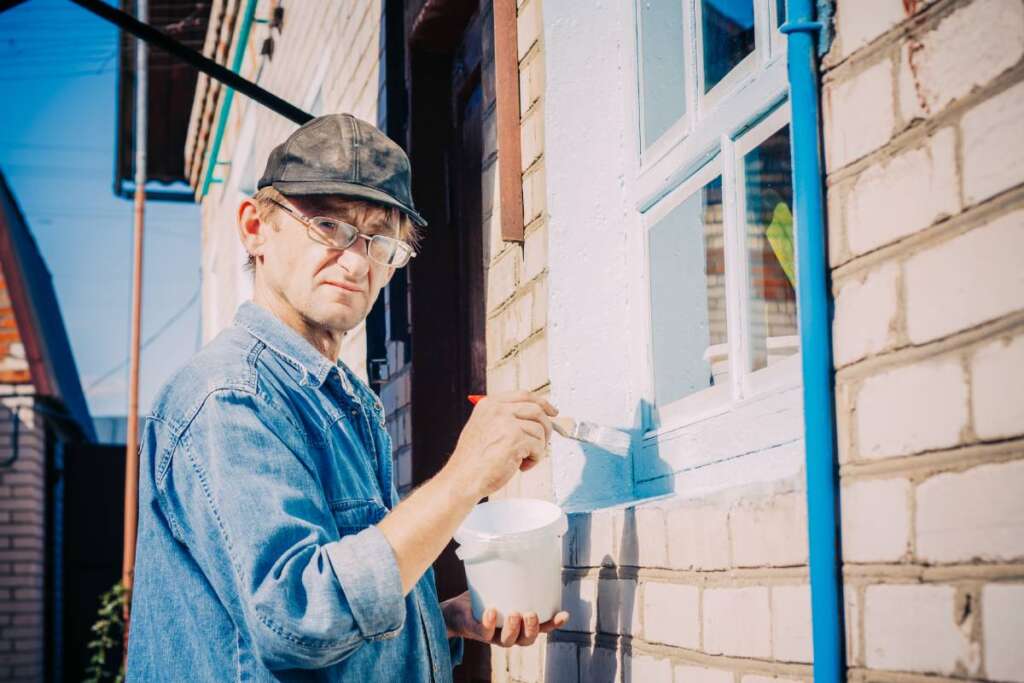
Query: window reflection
[728, 34]
[688, 314]
[771, 251]
[663, 66]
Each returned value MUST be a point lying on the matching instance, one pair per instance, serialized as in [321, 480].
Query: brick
[527, 663]
[866, 315]
[993, 145]
[537, 482]
[997, 389]
[580, 599]
[617, 611]
[531, 134]
[697, 674]
[770, 531]
[534, 193]
[1002, 607]
[639, 667]
[859, 115]
[535, 252]
[698, 537]
[531, 80]
[966, 281]
[672, 614]
[903, 195]
[973, 515]
[590, 539]
[876, 520]
[562, 662]
[859, 23]
[851, 619]
[911, 409]
[503, 378]
[529, 26]
[737, 622]
[539, 314]
[791, 624]
[912, 628]
[533, 364]
[767, 679]
[599, 665]
[967, 50]
[641, 534]
[502, 277]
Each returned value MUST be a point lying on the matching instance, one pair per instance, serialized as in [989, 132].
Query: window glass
[771, 255]
[780, 12]
[688, 315]
[728, 34]
[662, 65]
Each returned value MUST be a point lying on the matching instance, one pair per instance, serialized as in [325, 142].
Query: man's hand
[518, 630]
[506, 433]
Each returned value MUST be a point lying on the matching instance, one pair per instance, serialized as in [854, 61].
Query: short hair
[265, 199]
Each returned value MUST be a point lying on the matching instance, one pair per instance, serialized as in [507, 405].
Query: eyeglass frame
[311, 234]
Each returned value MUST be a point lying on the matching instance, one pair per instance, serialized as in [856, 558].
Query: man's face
[328, 288]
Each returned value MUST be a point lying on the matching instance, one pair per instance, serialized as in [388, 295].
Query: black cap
[341, 155]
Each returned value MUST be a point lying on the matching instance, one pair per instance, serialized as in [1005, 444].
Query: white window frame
[753, 411]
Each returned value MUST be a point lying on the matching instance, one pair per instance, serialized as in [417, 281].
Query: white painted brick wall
[502, 277]
[976, 514]
[699, 537]
[859, 115]
[911, 628]
[697, 674]
[876, 520]
[1002, 607]
[770, 531]
[562, 662]
[754, 678]
[618, 610]
[966, 281]
[579, 598]
[737, 621]
[997, 388]
[993, 145]
[641, 667]
[912, 409]
[791, 623]
[851, 619]
[600, 665]
[968, 49]
[865, 314]
[672, 614]
[903, 195]
[859, 23]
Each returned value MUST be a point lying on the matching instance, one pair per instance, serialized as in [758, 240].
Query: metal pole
[131, 470]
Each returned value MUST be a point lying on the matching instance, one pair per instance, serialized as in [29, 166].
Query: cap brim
[352, 190]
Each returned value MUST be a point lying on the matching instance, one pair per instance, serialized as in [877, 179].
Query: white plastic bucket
[512, 552]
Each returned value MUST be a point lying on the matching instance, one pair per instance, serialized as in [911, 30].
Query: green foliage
[107, 662]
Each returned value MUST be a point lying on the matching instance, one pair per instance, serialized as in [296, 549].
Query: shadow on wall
[599, 581]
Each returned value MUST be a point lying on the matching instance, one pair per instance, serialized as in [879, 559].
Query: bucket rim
[560, 524]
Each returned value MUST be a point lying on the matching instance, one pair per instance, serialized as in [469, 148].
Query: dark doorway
[93, 528]
[447, 279]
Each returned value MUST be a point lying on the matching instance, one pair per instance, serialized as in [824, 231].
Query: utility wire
[149, 340]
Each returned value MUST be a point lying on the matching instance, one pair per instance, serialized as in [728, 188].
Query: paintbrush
[609, 439]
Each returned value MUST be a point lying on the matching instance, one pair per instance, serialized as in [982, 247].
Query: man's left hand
[519, 629]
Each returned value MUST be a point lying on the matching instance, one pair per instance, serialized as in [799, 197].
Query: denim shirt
[264, 468]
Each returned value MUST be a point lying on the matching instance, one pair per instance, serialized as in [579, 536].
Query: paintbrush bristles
[606, 438]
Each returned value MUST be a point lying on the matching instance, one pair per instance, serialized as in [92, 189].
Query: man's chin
[340, 317]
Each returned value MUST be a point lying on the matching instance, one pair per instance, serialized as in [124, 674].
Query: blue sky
[57, 129]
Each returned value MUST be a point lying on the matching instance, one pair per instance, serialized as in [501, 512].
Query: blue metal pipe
[814, 292]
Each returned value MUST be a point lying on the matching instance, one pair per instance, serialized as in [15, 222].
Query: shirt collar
[273, 332]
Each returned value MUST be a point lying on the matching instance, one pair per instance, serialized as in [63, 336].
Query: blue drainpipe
[229, 96]
[814, 292]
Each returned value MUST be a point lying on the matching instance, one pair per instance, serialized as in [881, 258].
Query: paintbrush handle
[564, 425]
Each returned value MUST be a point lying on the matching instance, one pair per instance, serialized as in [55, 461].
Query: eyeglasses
[336, 234]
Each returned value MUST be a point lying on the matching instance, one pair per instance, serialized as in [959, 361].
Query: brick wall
[924, 130]
[22, 521]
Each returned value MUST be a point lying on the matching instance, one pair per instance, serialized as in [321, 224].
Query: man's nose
[355, 259]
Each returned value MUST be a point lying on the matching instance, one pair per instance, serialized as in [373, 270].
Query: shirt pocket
[352, 516]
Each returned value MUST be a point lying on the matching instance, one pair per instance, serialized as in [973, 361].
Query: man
[272, 544]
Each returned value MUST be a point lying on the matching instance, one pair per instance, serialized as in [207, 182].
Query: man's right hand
[505, 433]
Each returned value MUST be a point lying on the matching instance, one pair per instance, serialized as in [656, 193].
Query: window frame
[712, 138]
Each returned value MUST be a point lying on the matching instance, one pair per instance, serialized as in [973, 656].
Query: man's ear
[252, 231]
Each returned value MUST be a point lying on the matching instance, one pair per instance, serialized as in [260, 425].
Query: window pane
[771, 253]
[780, 12]
[662, 62]
[728, 34]
[688, 322]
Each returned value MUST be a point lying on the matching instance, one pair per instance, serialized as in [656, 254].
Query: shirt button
[355, 413]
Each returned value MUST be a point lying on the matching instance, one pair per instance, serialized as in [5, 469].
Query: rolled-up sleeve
[247, 502]
[368, 574]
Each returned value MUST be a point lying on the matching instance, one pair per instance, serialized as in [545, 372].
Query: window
[714, 188]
